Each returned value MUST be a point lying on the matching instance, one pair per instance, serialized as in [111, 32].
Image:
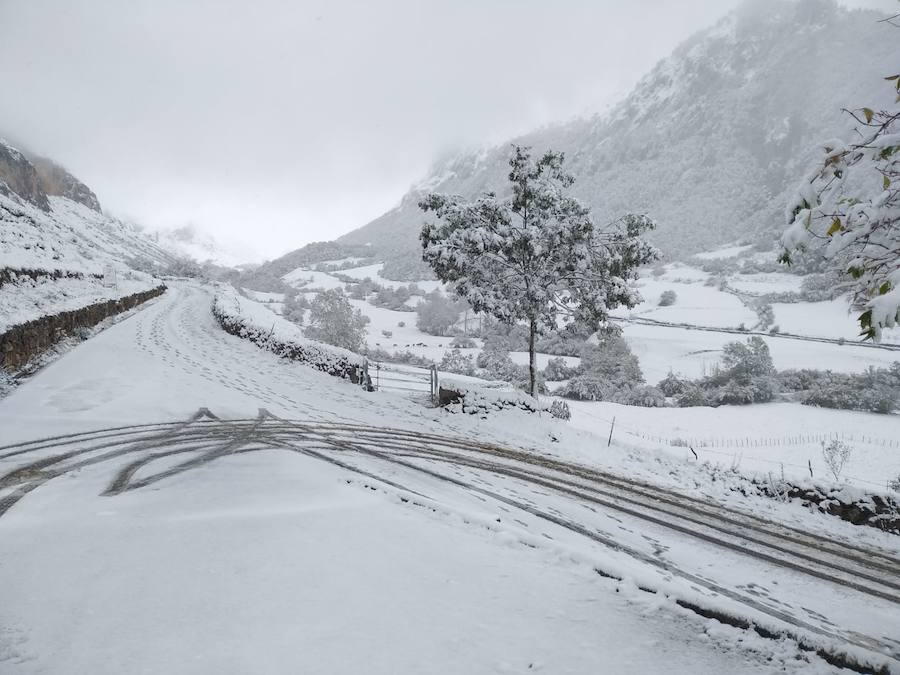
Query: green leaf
[893, 77]
[835, 226]
[886, 182]
[785, 258]
[854, 272]
[868, 114]
[885, 287]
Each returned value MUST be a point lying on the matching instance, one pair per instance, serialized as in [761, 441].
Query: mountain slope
[709, 142]
[60, 253]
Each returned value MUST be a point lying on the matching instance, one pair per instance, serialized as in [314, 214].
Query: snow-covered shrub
[588, 387]
[333, 320]
[694, 395]
[558, 370]
[7, 383]
[387, 333]
[401, 324]
[836, 453]
[800, 379]
[672, 385]
[463, 342]
[607, 371]
[455, 361]
[294, 307]
[667, 298]
[392, 298]
[437, 313]
[642, 395]
[819, 287]
[764, 313]
[560, 410]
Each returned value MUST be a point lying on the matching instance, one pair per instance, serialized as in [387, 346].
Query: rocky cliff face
[56, 181]
[19, 178]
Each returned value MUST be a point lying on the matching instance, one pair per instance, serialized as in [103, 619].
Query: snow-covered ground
[302, 278]
[762, 438]
[695, 304]
[694, 353]
[86, 247]
[373, 272]
[275, 562]
[727, 252]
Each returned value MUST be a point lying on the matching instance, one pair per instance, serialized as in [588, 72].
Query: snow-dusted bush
[437, 313]
[392, 298]
[250, 320]
[693, 395]
[818, 287]
[672, 385]
[404, 356]
[455, 361]
[560, 410]
[875, 390]
[747, 375]
[463, 342]
[667, 298]
[333, 320]
[836, 453]
[558, 370]
[294, 307]
[562, 343]
[642, 395]
[607, 372]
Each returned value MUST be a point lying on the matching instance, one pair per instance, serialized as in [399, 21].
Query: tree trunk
[532, 360]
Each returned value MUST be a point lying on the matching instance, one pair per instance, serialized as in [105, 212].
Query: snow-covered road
[202, 546]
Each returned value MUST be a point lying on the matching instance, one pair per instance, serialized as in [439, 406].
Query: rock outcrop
[19, 176]
[55, 180]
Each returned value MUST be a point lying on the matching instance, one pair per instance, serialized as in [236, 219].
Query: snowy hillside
[57, 254]
[708, 143]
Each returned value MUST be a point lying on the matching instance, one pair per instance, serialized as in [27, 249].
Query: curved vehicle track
[154, 452]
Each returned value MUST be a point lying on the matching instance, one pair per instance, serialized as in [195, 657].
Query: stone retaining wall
[23, 342]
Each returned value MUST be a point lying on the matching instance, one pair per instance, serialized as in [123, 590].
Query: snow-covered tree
[849, 207]
[437, 313]
[535, 256]
[334, 320]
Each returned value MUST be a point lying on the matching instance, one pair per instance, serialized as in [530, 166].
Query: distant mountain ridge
[709, 142]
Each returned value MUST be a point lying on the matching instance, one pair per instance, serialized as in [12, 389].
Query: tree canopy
[535, 256]
[848, 208]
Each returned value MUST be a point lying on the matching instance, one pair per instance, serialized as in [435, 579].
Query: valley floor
[264, 546]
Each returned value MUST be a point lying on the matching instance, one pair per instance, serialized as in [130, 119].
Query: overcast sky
[278, 123]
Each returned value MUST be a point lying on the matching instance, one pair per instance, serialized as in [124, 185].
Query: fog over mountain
[709, 143]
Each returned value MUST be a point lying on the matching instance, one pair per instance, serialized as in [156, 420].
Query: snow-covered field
[274, 562]
[696, 304]
[694, 353]
[762, 438]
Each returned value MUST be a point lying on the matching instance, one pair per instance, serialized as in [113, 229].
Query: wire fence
[737, 450]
